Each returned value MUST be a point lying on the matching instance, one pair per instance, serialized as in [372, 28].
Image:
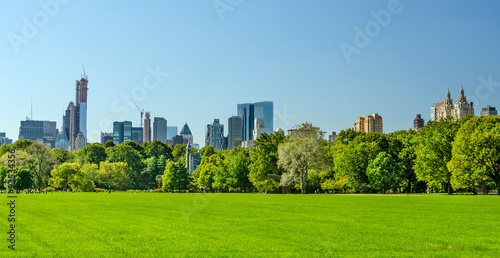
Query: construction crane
[142, 112]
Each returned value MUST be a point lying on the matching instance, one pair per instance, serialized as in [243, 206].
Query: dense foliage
[446, 156]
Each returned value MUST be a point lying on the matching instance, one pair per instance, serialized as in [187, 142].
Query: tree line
[446, 156]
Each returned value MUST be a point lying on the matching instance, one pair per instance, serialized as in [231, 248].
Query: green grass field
[254, 225]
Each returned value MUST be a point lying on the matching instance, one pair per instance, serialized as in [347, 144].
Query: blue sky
[285, 51]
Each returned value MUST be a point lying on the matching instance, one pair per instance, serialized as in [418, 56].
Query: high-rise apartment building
[460, 109]
[75, 116]
[215, 135]
[43, 131]
[147, 128]
[332, 137]
[418, 123]
[369, 124]
[489, 111]
[160, 129]
[249, 111]
[234, 132]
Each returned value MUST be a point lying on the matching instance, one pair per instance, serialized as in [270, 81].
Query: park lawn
[254, 225]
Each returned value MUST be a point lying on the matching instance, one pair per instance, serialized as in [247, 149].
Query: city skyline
[290, 53]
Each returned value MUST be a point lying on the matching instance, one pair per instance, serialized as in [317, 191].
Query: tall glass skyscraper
[245, 111]
[160, 129]
[264, 110]
[249, 111]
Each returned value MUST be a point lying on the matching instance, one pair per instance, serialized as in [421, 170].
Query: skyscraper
[147, 128]
[246, 112]
[106, 137]
[249, 111]
[265, 111]
[489, 111]
[234, 131]
[171, 132]
[215, 135]
[122, 132]
[369, 124]
[137, 135]
[44, 131]
[160, 129]
[418, 123]
[187, 136]
[258, 128]
[80, 112]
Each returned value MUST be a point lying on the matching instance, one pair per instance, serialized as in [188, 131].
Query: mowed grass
[253, 225]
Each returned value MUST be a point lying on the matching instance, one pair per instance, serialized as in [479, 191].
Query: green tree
[264, 161]
[205, 174]
[179, 152]
[402, 146]
[63, 156]
[476, 153]
[353, 162]
[67, 174]
[23, 177]
[44, 163]
[434, 152]
[130, 156]
[383, 172]
[3, 174]
[298, 156]
[114, 175]
[109, 144]
[157, 148]
[175, 176]
[93, 153]
[237, 167]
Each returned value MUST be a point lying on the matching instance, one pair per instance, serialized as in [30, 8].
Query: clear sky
[220, 53]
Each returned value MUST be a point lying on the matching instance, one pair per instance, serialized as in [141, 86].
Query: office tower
[4, 139]
[61, 141]
[214, 135]
[147, 128]
[418, 123]
[258, 128]
[234, 131]
[67, 121]
[246, 112]
[122, 132]
[192, 160]
[42, 131]
[106, 137]
[137, 135]
[187, 136]
[332, 137]
[160, 129]
[369, 124]
[249, 111]
[72, 125]
[489, 111]
[80, 141]
[171, 132]
[178, 139]
[265, 111]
